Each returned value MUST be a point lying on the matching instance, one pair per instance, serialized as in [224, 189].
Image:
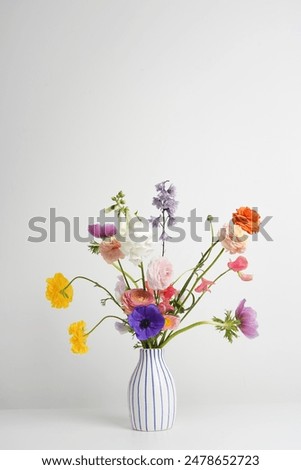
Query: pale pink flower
[233, 238]
[159, 273]
[204, 286]
[122, 328]
[245, 277]
[120, 288]
[110, 250]
[136, 297]
[171, 322]
[239, 264]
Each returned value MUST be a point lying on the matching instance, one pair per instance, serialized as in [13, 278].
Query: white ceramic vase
[152, 393]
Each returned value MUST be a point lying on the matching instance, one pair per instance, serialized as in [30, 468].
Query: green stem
[162, 338]
[163, 225]
[210, 265]
[96, 285]
[200, 263]
[104, 318]
[212, 232]
[173, 333]
[206, 270]
[127, 274]
[124, 274]
[222, 274]
[181, 275]
[189, 327]
[202, 295]
[202, 275]
[142, 274]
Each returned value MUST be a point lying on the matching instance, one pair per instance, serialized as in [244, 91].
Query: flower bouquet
[150, 304]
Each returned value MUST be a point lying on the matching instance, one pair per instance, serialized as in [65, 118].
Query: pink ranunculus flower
[245, 276]
[239, 264]
[233, 238]
[136, 297]
[171, 322]
[204, 286]
[110, 250]
[159, 273]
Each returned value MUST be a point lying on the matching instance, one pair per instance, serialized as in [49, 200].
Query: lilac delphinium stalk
[247, 318]
[146, 321]
[167, 205]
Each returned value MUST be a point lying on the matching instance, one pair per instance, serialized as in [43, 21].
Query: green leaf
[94, 247]
[229, 325]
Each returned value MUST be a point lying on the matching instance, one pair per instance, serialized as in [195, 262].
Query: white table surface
[262, 426]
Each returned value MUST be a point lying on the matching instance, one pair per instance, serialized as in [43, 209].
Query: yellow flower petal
[78, 337]
[54, 291]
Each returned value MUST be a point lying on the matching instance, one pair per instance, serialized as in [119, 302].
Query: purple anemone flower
[247, 317]
[146, 321]
[102, 231]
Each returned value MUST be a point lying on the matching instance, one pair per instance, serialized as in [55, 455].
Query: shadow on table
[100, 417]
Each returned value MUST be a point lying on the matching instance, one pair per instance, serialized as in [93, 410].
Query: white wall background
[102, 95]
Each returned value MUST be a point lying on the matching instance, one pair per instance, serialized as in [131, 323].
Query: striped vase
[152, 393]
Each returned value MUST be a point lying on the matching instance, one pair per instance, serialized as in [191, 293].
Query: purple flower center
[145, 323]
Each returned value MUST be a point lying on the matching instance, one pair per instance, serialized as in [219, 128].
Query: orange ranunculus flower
[248, 219]
[136, 297]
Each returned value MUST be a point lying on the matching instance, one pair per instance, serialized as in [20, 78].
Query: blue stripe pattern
[152, 393]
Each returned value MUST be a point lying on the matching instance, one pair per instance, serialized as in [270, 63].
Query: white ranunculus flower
[136, 249]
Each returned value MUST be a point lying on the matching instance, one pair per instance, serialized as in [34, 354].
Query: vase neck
[155, 352]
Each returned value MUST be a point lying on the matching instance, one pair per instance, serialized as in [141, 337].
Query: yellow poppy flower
[58, 297]
[78, 338]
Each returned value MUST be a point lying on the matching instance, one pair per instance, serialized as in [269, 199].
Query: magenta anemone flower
[146, 321]
[247, 317]
[102, 231]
